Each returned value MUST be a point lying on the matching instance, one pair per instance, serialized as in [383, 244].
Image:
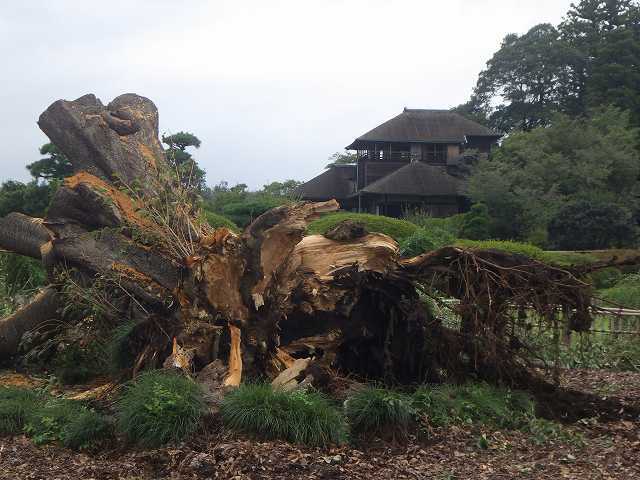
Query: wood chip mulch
[609, 450]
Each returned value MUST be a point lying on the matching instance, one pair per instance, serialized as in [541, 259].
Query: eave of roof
[424, 126]
[419, 179]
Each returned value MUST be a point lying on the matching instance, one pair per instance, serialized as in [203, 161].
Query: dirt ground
[593, 450]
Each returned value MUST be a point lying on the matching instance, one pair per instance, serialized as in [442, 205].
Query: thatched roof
[336, 182]
[424, 126]
[419, 179]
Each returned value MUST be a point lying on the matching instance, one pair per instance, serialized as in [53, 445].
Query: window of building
[434, 153]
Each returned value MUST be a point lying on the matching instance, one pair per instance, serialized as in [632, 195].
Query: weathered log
[24, 235]
[43, 307]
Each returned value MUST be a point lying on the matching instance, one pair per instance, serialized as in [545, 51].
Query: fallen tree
[123, 241]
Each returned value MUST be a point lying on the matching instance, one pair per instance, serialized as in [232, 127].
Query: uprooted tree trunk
[124, 234]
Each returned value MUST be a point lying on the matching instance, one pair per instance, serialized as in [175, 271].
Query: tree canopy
[55, 166]
[533, 174]
[187, 169]
[591, 59]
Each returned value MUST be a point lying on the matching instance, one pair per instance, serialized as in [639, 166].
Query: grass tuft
[303, 417]
[16, 405]
[474, 403]
[425, 240]
[68, 422]
[159, 407]
[380, 411]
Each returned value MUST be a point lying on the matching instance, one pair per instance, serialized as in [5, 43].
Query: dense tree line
[567, 98]
[590, 59]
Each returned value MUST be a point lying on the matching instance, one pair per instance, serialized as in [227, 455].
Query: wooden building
[418, 160]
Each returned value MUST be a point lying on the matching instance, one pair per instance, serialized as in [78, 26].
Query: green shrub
[625, 293]
[16, 404]
[216, 221]
[474, 403]
[243, 212]
[586, 350]
[395, 228]
[85, 430]
[605, 278]
[76, 364]
[452, 224]
[379, 411]
[19, 276]
[584, 225]
[477, 223]
[425, 240]
[159, 407]
[68, 422]
[303, 417]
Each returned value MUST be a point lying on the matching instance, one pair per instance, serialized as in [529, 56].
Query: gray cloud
[271, 88]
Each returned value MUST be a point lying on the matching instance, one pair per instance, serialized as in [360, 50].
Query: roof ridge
[406, 109]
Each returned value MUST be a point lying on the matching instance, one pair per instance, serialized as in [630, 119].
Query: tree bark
[43, 307]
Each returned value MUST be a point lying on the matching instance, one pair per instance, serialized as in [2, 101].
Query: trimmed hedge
[216, 221]
[397, 229]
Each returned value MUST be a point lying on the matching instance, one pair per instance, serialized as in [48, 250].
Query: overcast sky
[271, 88]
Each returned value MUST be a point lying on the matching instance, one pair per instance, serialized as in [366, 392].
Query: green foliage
[342, 158]
[247, 210]
[587, 350]
[304, 417]
[54, 167]
[531, 251]
[75, 364]
[589, 60]
[477, 223]
[509, 246]
[425, 240]
[545, 431]
[452, 224]
[29, 198]
[241, 206]
[474, 403]
[216, 221]
[399, 230]
[159, 407]
[625, 293]
[16, 405]
[19, 275]
[605, 277]
[587, 225]
[380, 411]
[534, 174]
[288, 188]
[119, 355]
[86, 429]
[187, 169]
[525, 75]
[68, 422]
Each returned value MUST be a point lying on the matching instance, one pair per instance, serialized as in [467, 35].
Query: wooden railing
[386, 156]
